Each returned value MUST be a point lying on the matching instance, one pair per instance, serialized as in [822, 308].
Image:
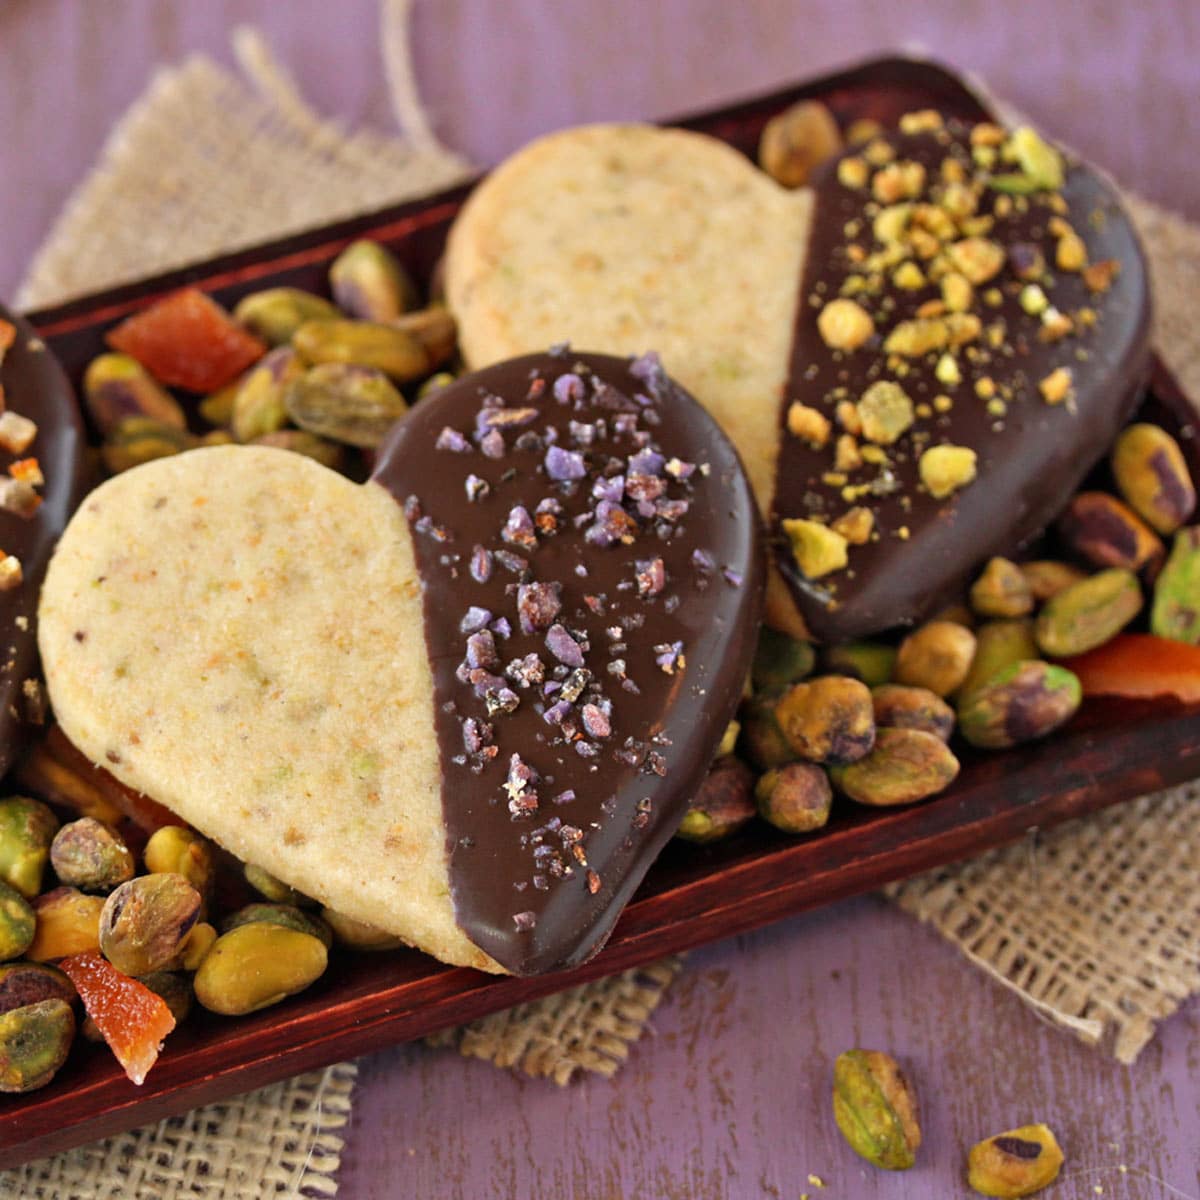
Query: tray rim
[674, 918]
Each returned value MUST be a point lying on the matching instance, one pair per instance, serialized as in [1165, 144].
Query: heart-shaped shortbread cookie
[466, 702]
[945, 289]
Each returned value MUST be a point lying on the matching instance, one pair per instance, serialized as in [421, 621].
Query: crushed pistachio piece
[957, 292]
[875, 455]
[917, 337]
[946, 469]
[923, 120]
[942, 403]
[978, 258]
[846, 454]
[1033, 300]
[853, 172]
[946, 372]
[863, 130]
[1099, 276]
[855, 525]
[1071, 253]
[879, 152]
[909, 277]
[1055, 325]
[844, 324]
[10, 573]
[886, 412]
[817, 550]
[16, 432]
[1038, 160]
[808, 424]
[987, 134]
[848, 418]
[1057, 386]
[985, 387]
[898, 181]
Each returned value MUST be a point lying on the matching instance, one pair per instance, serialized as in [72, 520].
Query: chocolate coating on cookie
[591, 561]
[34, 387]
[1032, 447]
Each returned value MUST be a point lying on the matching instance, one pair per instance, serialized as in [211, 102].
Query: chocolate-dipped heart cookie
[467, 701]
[919, 358]
[42, 449]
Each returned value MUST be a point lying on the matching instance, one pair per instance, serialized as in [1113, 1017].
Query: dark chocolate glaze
[1030, 461]
[541, 890]
[35, 387]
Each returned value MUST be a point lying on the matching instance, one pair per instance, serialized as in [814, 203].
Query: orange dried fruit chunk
[132, 1019]
[188, 340]
[1139, 665]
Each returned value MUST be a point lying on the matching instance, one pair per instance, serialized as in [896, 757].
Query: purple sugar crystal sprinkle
[512, 562]
[649, 369]
[568, 388]
[501, 627]
[612, 524]
[651, 576]
[563, 646]
[476, 619]
[481, 649]
[563, 464]
[678, 469]
[492, 444]
[518, 529]
[704, 562]
[611, 489]
[452, 440]
[596, 722]
[669, 656]
[733, 577]
[477, 488]
[556, 713]
[481, 564]
[565, 797]
[559, 350]
[646, 462]
[524, 921]
[537, 605]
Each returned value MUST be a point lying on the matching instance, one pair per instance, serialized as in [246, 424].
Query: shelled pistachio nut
[1015, 1164]
[175, 849]
[436, 330]
[900, 706]
[780, 660]
[762, 740]
[872, 662]
[91, 856]
[937, 656]
[358, 935]
[24, 983]
[274, 314]
[174, 989]
[398, 353]
[273, 889]
[27, 828]
[116, 386]
[258, 407]
[795, 798]
[68, 922]
[345, 403]
[1101, 530]
[34, 1042]
[723, 804]
[257, 965]
[998, 644]
[875, 1107]
[1153, 476]
[17, 923]
[368, 282]
[300, 441]
[1089, 613]
[137, 440]
[1021, 703]
[287, 915]
[905, 766]
[1046, 578]
[1175, 612]
[829, 719]
[145, 922]
[797, 141]
[1001, 590]
[217, 407]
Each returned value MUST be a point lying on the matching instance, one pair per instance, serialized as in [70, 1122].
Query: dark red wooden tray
[1110, 752]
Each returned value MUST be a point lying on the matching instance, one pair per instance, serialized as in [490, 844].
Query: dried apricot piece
[188, 340]
[132, 1019]
[1140, 665]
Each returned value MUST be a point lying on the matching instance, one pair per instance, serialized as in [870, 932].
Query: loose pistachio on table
[1021, 703]
[875, 1108]
[906, 765]
[762, 740]
[23, 983]
[145, 922]
[68, 922]
[27, 828]
[795, 798]
[1001, 591]
[828, 719]
[1089, 613]
[724, 803]
[117, 386]
[175, 849]
[1015, 1164]
[257, 965]
[258, 407]
[797, 141]
[899, 706]
[287, 915]
[17, 923]
[998, 644]
[196, 945]
[90, 855]
[274, 314]
[872, 662]
[1047, 577]
[399, 354]
[1175, 612]
[1101, 530]
[936, 656]
[34, 1042]
[275, 890]
[780, 660]
[1153, 476]
[345, 402]
[369, 283]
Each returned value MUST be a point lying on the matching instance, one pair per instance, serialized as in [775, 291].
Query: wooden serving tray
[1111, 751]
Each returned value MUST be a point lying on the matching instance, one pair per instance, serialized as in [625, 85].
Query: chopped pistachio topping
[946, 469]
[886, 412]
[844, 324]
[1057, 386]
[817, 549]
[855, 525]
[808, 424]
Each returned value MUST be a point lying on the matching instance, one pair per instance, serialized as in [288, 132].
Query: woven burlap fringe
[282, 1141]
[588, 1028]
[1096, 924]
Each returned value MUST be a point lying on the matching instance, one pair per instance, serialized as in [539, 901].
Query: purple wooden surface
[728, 1097]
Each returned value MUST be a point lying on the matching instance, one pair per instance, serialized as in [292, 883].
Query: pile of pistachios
[333, 379]
[72, 888]
[874, 720]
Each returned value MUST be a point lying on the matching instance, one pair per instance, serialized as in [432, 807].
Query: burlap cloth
[1096, 924]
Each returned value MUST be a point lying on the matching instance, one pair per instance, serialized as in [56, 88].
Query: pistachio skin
[34, 1042]
[273, 889]
[723, 804]
[27, 829]
[906, 765]
[829, 719]
[1046, 578]
[762, 740]
[1099, 529]
[1175, 612]
[300, 441]
[23, 983]
[1088, 614]
[899, 706]
[258, 407]
[91, 856]
[875, 1108]
[1023, 702]
[398, 353]
[145, 922]
[17, 923]
[795, 798]
[1153, 477]
[175, 849]
[257, 965]
[1015, 1164]
[797, 141]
